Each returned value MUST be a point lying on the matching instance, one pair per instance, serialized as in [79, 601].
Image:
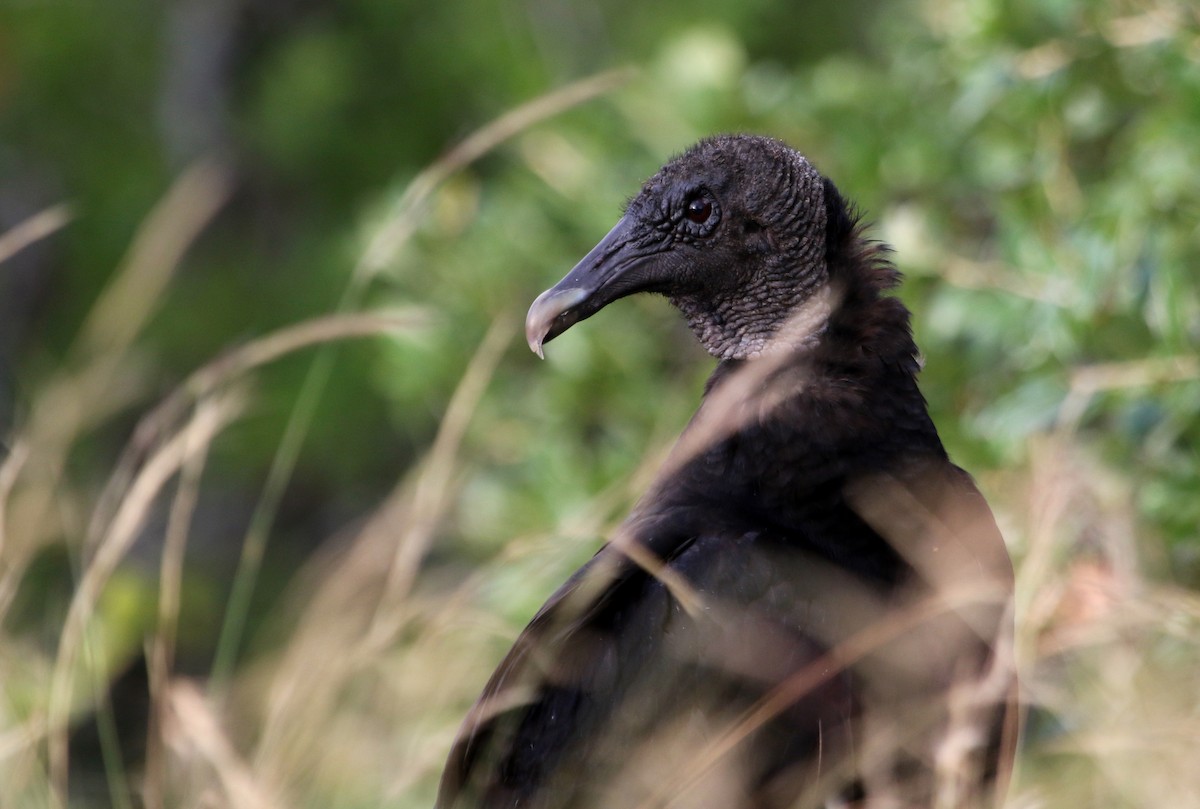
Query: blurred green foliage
[1035, 163]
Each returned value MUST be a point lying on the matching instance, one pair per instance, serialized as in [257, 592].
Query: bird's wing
[658, 698]
[960, 605]
[777, 674]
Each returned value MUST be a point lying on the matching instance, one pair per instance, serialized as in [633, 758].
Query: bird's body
[808, 608]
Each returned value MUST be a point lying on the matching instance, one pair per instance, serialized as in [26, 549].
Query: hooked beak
[602, 276]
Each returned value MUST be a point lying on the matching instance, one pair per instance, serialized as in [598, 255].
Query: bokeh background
[280, 481]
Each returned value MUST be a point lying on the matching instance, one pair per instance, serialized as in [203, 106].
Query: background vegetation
[280, 481]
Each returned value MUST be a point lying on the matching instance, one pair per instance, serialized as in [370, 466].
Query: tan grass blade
[114, 545]
[872, 637]
[193, 727]
[363, 601]
[100, 377]
[383, 246]
[161, 654]
[33, 229]
[432, 487]
[158, 247]
[227, 369]
[387, 241]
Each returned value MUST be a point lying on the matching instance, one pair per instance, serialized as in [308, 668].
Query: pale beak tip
[545, 315]
[535, 334]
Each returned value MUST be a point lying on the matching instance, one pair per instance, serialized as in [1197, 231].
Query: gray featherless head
[733, 232]
[772, 201]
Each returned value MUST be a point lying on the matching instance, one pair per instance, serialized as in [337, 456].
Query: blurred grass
[1035, 164]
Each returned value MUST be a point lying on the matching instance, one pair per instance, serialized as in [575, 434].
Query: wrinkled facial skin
[715, 231]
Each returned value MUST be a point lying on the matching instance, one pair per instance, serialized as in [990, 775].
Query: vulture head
[733, 232]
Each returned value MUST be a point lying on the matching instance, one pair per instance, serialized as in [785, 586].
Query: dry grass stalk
[101, 376]
[158, 246]
[364, 601]
[161, 654]
[10, 471]
[382, 247]
[37, 227]
[872, 638]
[192, 726]
[114, 545]
[399, 226]
[1088, 380]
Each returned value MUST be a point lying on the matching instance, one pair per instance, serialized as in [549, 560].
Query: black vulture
[811, 606]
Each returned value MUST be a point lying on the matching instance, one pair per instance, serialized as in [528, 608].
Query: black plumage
[810, 605]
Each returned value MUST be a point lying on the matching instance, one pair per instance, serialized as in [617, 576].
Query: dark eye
[699, 210]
